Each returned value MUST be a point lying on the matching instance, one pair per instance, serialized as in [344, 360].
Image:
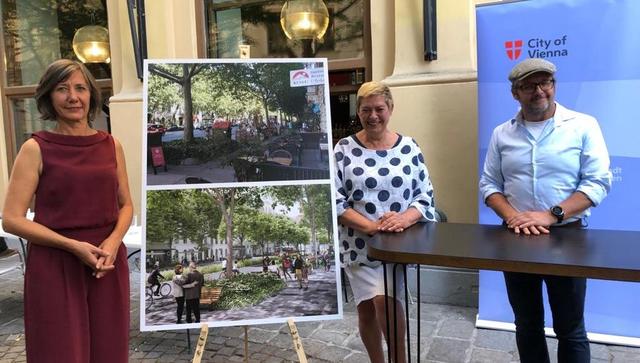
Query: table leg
[418, 317]
[406, 311]
[395, 315]
[386, 309]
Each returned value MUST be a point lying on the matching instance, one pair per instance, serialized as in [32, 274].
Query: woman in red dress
[76, 292]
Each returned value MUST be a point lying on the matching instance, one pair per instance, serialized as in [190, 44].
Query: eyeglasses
[545, 85]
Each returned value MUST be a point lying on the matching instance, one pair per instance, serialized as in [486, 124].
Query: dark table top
[593, 253]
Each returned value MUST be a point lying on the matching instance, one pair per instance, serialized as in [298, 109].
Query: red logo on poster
[513, 48]
[157, 156]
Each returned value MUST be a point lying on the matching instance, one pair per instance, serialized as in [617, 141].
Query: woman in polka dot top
[382, 184]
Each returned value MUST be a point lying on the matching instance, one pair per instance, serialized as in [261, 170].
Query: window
[35, 33]
[256, 23]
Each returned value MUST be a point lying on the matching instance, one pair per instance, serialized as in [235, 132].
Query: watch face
[557, 211]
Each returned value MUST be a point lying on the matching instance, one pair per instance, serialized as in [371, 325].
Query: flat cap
[530, 66]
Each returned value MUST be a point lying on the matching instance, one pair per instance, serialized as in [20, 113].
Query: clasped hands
[393, 222]
[101, 259]
[531, 222]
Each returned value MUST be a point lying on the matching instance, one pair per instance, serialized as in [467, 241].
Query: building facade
[436, 101]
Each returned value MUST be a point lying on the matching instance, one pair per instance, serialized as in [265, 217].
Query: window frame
[344, 64]
[9, 93]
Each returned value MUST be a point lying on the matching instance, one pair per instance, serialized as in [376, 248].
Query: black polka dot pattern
[370, 208]
[374, 182]
[370, 183]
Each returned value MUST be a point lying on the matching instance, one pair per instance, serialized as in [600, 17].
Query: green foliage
[247, 289]
[163, 210]
[163, 94]
[203, 149]
[250, 262]
[172, 214]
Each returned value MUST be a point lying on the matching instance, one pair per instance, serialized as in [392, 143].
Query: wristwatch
[557, 212]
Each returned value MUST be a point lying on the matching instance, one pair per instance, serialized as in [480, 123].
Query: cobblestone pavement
[319, 299]
[448, 335]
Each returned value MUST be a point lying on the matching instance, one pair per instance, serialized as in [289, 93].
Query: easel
[204, 332]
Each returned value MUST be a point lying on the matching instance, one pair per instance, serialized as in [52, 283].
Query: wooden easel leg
[297, 343]
[246, 344]
[202, 341]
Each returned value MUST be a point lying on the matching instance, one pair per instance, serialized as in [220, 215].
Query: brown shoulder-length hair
[60, 71]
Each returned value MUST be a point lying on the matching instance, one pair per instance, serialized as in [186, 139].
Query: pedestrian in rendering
[179, 284]
[76, 290]
[154, 278]
[382, 184]
[273, 268]
[326, 258]
[192, 294]
[298, 265]
[545, 168]
[286, 266]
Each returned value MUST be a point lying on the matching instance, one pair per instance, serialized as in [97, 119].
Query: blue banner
[595, 45]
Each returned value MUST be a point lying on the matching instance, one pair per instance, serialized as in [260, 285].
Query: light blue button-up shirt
[569, 155]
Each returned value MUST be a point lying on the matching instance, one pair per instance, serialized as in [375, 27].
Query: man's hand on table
[531, 222]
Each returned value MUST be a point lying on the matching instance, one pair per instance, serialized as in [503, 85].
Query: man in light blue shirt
[545, 169]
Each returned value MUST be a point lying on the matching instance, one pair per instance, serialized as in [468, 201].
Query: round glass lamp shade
[91, 44]
[304, 19]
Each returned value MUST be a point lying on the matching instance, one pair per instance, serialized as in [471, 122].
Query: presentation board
[237, 187]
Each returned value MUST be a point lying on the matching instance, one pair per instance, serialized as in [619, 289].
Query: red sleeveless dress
[70, 316]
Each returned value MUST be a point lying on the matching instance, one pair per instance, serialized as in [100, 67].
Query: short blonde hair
[369, 89]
